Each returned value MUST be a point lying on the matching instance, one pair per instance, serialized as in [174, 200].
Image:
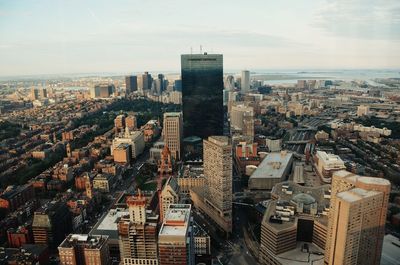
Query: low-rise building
[273, 169]
[79, 249]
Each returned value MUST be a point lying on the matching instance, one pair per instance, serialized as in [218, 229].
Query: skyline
[73, 37]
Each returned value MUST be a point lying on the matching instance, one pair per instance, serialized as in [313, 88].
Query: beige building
[274, 168]
[326, 164]
[134, 138]
[175, 239]
[103, 182]
[172, 132]
[242, 119]
[119, 123]
[190, 177]
[215, 199]
[357, 219]
[79, 249]
[169, 195]
[274, 145]
[122, 154]
[295, 215]
[138, 234]
[362, 110]
[131, 122]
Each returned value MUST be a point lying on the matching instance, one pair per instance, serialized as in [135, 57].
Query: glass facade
[202, 94]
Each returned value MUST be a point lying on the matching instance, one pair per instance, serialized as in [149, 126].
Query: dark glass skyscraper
[202, 94]
[131, 83]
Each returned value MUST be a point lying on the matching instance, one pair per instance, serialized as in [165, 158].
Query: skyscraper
[131, 83]
[175, 240]
[202, 96]
[245, 85]
[357, 219]
[147, 81]
[102, 91]
[215, 199]
[172, 131]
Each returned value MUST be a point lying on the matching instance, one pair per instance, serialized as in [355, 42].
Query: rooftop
[390, 250]
[108, 224]
[298, 257]
[177, 220]
[273, 165]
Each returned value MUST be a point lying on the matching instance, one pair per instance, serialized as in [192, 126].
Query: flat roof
[390, 250]
[355, 194]
[176, 221]
[273, 165]
[297, 257]
[108, 224]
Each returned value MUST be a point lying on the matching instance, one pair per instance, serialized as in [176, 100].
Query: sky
[123, 36]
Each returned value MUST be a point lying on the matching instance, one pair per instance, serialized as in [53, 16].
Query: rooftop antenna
[201, 49]
[191, 50]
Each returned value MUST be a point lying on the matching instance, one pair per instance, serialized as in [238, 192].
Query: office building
[51, 223]
[202, 97]
[242, 120]
[296, 215]
[175, 239]
[122, 154]
[34, 95]
[357, 218]
[102, 91]
[168, 195]
[245, 81]
[79, 249]
[138, 233]
[131, 83]
[145, 82]
[215, 199]
[119, 123]
[172, 132]
[134, 138]
[131, 122]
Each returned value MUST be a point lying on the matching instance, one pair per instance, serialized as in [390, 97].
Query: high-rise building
[357, 219]
[175, 239]
[43, 93]
[168, 195]
[242, 120]
[229, 83]
[172, 131]
[102, 91]
[131, 122]
[138, 234]
[202, 96]
[215, 199]
[79, 249]
[51, 223]
[34, 93]
[131, 83]
[245, 81]
[119, 123]
[146, 81]
[134, 138]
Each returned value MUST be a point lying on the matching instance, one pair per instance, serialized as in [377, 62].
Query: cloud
[365, 19]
